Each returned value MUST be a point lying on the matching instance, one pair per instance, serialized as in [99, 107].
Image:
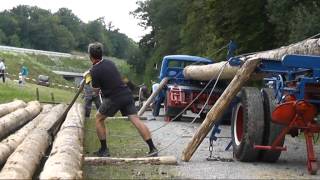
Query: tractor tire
[271, 130]
[247, 125]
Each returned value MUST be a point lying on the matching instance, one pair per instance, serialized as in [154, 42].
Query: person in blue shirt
[24, 73]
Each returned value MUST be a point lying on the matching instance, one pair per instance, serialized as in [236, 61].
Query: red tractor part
[296, 115]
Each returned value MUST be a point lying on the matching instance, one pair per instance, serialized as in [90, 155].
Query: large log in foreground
[219, 107]
[66, 157]
[11, 106]
[98, 161]
[8, 145]
[16, 119]
[24, 160]
[207, 72]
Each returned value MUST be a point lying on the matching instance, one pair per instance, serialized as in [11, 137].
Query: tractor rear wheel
[247, 125]
[271, 130]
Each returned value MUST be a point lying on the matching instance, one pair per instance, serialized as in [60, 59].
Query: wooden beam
[219, 107]
[98, 161]
[66, 157]
[152, 96]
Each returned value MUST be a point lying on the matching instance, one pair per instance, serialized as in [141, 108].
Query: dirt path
[291, 165]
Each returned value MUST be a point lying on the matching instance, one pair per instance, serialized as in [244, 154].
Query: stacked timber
[11, 106]
[8, 145]
[207, 72]
[25, 159]
[66, 157]
[11, 122]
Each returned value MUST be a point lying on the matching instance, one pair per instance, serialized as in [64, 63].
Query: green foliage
[36, 28]
[202, 28]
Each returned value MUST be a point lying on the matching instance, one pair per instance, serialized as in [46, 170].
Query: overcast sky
[116, 11]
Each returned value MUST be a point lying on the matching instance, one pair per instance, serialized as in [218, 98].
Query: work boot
[153, 153]
[102, 153]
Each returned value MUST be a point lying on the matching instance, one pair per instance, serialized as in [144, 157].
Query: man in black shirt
[117, 96]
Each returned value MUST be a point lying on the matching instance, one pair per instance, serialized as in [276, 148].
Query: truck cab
[180, 92]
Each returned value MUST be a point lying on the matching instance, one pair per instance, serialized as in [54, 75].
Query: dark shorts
[125, 104]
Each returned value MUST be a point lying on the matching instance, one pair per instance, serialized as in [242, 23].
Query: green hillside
[42, 64]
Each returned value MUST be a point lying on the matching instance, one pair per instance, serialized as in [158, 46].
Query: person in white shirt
[2, 71]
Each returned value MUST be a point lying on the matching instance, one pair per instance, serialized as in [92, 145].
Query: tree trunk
[219, 107]
[98, 161]
[152, 96]
[24, 160]
[8, 145]
[66, 157]
[206, 72]
[18, 118]
[11, 106]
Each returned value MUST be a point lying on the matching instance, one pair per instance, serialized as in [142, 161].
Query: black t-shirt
[106, 76]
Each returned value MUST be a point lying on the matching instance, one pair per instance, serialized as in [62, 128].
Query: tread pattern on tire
[271, 130]
[253, 127]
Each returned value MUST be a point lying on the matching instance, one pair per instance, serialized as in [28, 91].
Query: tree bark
[66, 157]
[152, 96]
[24, 160]
[206, 72]
[11, 106]
[18, 118]
[8, 145]
[98, 161]
[219, 107]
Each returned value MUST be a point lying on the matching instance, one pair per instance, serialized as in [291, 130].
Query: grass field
[11, 90]
[123, 141]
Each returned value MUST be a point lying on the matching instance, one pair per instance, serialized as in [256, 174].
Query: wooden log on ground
[8, 145]
[11, 122]
[98, 161]
[152, 96]
[219, 107]
[11, 106]
[23, 162]
[206, 72]
[66, 157]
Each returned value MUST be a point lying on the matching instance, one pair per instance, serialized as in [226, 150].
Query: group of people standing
[23, 73]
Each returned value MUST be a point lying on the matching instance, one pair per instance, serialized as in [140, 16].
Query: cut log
[152, 96]
[8, 145]
[98, 161]
[66, 157]
[23, 162]
[207, 72]
[11, 106]
[11, 122]
[306, 47]
[220, 106]
[211, 71]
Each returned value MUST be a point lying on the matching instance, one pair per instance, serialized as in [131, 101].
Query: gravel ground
[291, 165]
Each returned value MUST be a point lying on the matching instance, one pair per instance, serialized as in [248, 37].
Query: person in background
[89, 97]
[24, 73]
[116, 96]
[2, 70]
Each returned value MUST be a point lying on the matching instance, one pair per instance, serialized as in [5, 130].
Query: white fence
[33, 51]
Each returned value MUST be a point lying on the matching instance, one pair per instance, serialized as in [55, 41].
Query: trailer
[289, 104]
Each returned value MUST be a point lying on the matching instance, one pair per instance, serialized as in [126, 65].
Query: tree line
[202, 27]
[62, 31]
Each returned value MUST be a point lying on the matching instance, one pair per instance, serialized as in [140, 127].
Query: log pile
[65, 160]
[19, 117]
[8, 145]
[10, 107]
[22, 163]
